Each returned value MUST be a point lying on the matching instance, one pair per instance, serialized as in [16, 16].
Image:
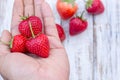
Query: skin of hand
[19, 66]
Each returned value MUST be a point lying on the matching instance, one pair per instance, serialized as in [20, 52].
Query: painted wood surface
[94, 54]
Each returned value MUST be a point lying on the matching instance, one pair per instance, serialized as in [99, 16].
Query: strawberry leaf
[69, 1]
[89, 3]
[23, 17]
[11, 43]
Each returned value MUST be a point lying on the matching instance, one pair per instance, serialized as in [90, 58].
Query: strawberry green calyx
[89, 3]
[69, 1]
[23, 17]
[30, 25]
[11, 43]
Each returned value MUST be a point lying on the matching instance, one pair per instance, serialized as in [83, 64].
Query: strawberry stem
[82, 15]
[30, 25]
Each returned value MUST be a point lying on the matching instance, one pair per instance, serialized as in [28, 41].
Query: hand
[20, 66]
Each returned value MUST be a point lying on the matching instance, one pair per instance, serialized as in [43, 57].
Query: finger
[49, 22]
[37, 4]
[17, 11]
[29, 7]
[4, 43]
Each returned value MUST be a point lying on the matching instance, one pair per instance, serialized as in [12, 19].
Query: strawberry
[77, 25]
[36, 26]
[94, 7]
[38, 45]
[17, 44]
[61, 32]
[66, 8]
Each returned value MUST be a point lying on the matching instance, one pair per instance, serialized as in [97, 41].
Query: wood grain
[107, 47]
[5, 14]
[93, 54]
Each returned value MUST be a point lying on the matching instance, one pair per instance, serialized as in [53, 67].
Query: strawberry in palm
[66, 8]
[36, 26]
[17, 44]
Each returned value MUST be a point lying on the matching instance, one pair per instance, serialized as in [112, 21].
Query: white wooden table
[94, 54]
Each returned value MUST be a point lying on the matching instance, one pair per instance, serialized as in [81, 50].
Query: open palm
[18, 66]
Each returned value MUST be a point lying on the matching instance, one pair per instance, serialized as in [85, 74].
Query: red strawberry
[77, 25]
[94, 7]
[66, 8]
[61, 32]
[18, 44]
[38, 45]
[36, 26]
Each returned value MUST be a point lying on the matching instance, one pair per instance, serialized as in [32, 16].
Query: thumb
[4, 42]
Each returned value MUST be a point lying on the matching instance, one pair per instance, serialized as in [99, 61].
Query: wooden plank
[2, 17]
[107, 42]
[5, 14]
